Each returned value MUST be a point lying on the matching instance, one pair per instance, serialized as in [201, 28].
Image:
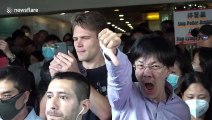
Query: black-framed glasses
[202, 37]
[151, 67]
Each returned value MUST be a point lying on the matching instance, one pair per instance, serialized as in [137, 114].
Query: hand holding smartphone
[61, 47]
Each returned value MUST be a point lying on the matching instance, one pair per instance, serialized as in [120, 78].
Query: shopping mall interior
[122, 15]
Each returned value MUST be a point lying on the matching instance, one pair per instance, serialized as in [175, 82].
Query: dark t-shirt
[98, 79]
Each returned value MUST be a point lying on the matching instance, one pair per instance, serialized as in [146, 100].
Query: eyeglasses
[203, 37]
[49, 45]
[151, 67]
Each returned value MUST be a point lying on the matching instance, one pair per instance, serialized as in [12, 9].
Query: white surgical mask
[197, 68]
[197, 107]
[173, 80]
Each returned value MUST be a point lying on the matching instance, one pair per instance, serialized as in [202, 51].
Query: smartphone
[70, 48]
[61, 47]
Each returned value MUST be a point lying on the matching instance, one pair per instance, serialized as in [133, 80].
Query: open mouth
[149, 86]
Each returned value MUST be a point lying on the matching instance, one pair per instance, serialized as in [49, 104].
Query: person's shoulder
[180, 103]
[32, 115]
[38, 118]
[36, 65]
[179, 107]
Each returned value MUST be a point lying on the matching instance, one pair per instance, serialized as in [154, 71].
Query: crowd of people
[141, 76]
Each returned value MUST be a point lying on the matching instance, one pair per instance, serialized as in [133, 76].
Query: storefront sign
[185, 21]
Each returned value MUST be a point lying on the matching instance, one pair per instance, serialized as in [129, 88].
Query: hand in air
[4, 47]
[63, 63]
[109, 42]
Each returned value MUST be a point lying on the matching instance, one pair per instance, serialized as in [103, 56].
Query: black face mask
[7, 108]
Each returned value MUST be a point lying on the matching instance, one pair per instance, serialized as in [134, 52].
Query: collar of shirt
[169, 90]
[32, 115]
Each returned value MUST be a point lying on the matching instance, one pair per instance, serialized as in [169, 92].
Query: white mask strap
[80, 112]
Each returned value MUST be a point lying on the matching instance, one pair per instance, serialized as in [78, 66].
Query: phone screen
[61, 47]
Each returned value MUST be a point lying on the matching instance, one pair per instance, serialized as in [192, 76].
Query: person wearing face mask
[202, 61]
[182, 66]
[67, 96]
[15, 90]
[48, 48]
[48, 52]
[196, 61]
[197, 95]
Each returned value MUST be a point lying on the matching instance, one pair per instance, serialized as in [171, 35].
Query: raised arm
[119, 69]
[5, 48]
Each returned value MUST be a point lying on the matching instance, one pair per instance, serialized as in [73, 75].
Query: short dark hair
[38, 54]
[82, 89]
[17, 33]
[154, 45]
[52, 37]
[20, 76]
[43, 31]
[195, 77]
[205, 29]
[198, 77]
[69, 35]
[141, 29]
[205, 57]
[167, 26]
[25, 27]
[94, 21]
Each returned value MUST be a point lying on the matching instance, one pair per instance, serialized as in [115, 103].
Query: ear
[26, 96]
[86, 104]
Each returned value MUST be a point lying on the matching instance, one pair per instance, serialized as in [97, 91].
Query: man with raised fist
[152, 97]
